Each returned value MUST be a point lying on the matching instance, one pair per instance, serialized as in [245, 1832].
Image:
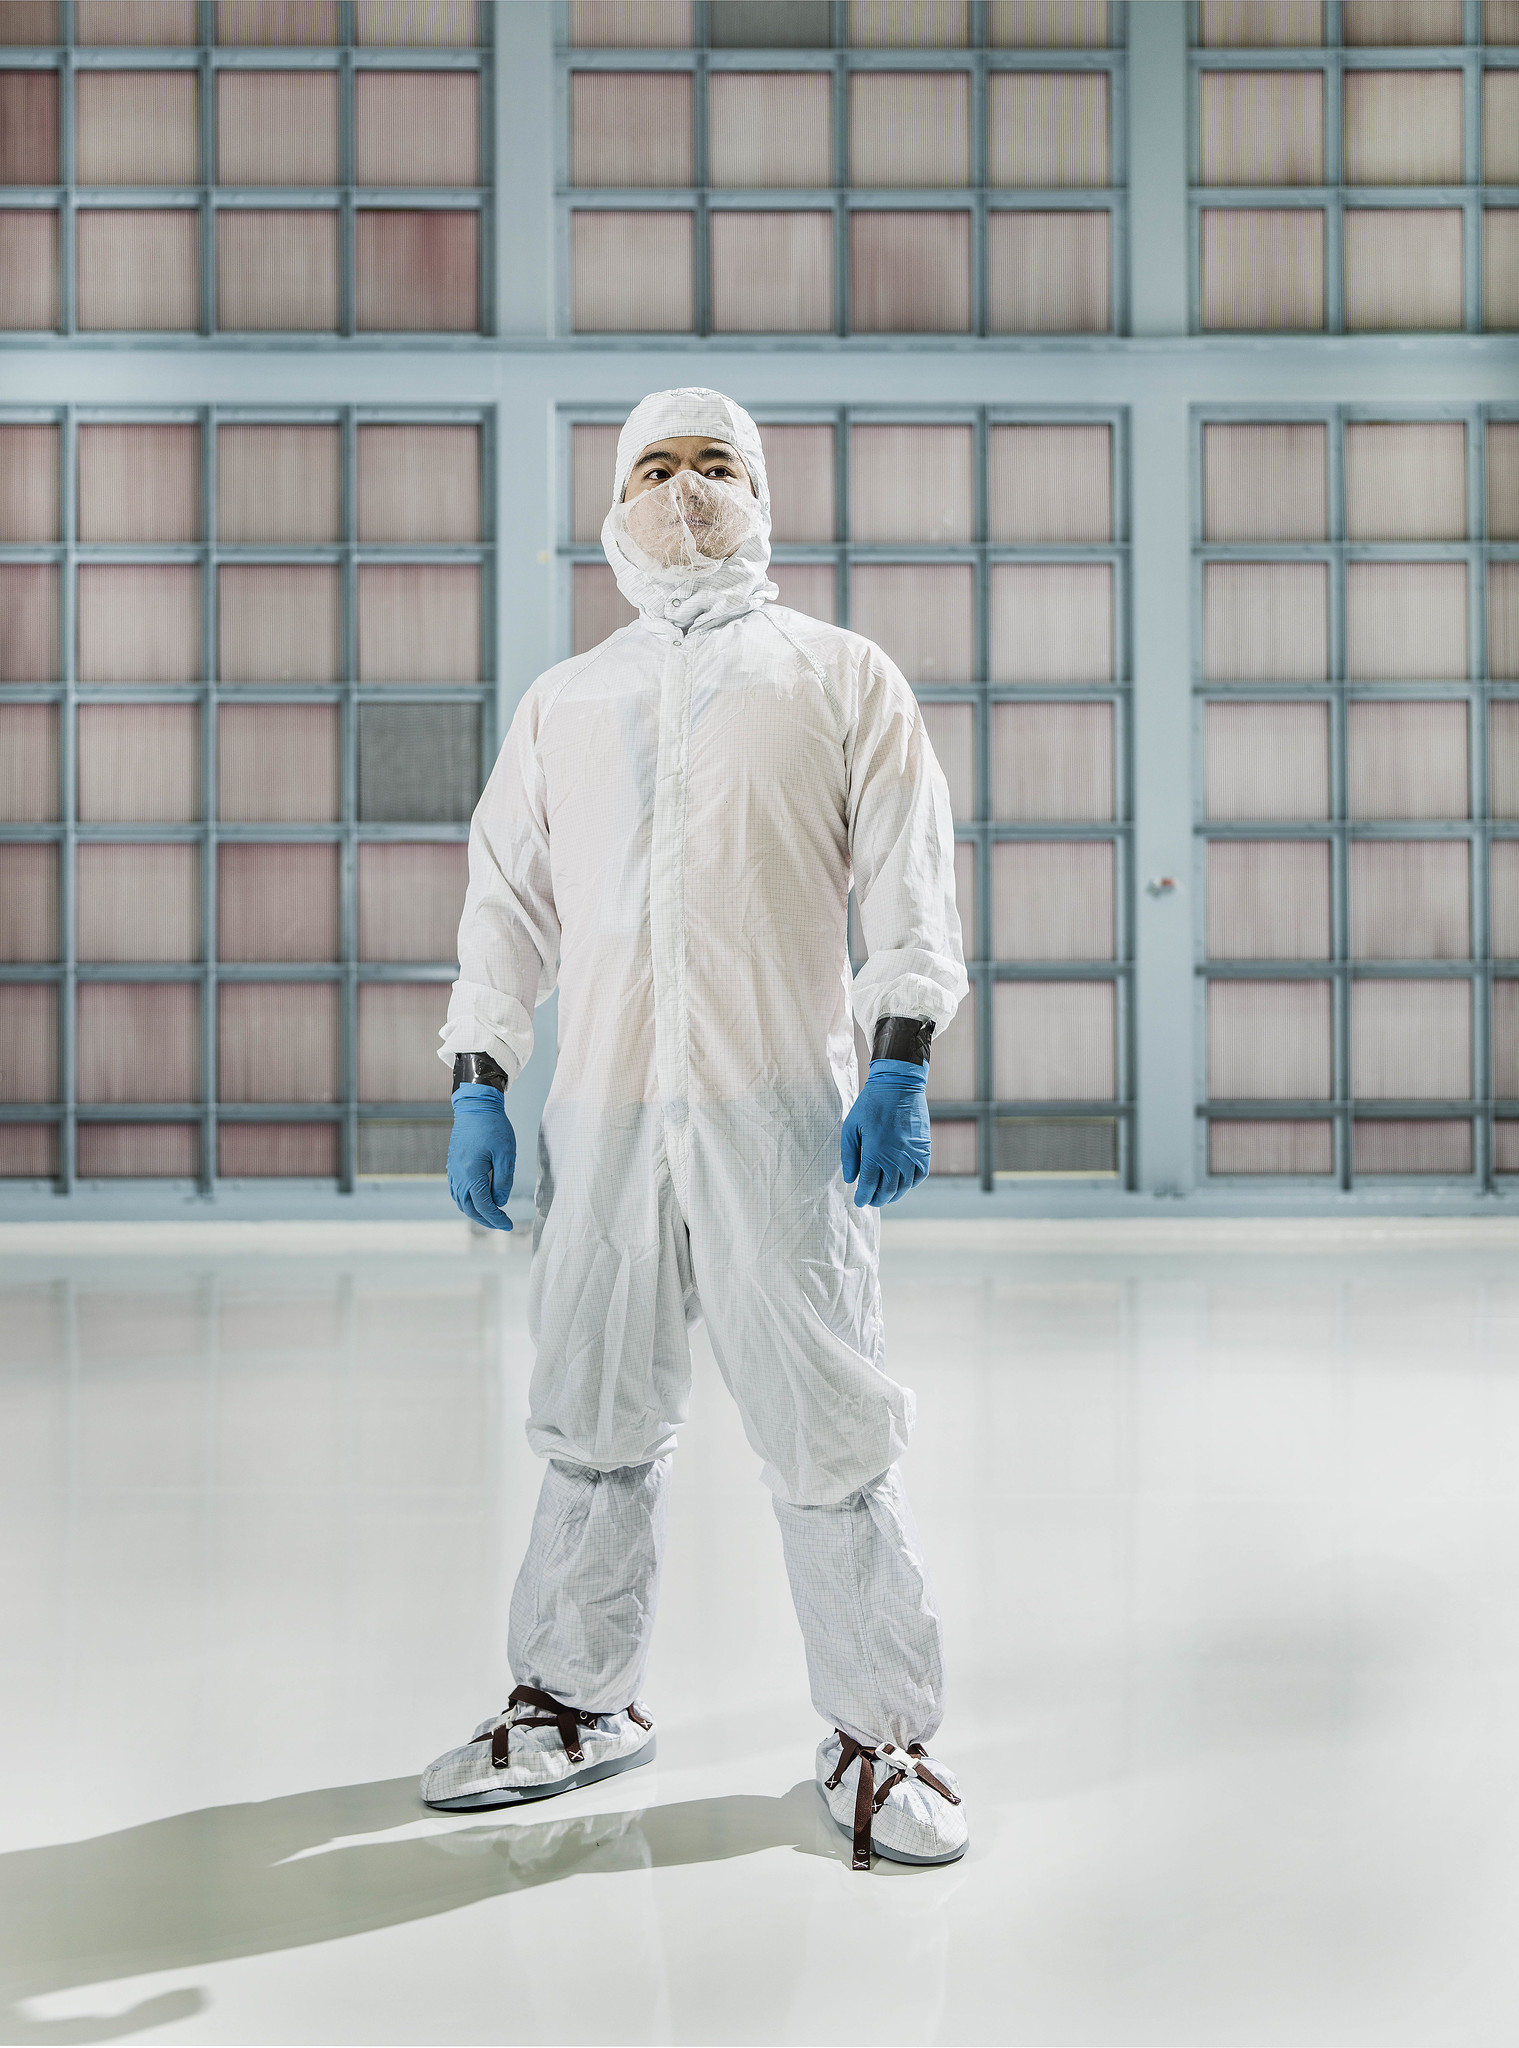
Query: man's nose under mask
[691, 522]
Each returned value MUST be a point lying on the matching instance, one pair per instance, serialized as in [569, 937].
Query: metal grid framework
[987, 1111]
[209, 199]
[1334, 198]
[978, 60]
[348, 833]
[1479, 830]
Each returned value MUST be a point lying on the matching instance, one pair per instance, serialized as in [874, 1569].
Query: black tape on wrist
[478, 1066]
[902, 1038]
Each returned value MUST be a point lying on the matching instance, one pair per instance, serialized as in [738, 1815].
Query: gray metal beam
[1161, 712]
[1157, 115]
[524, 152]
[1162, 786]
[1098, 371]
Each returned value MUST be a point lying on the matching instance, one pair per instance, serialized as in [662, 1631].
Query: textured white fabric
[678, 818]
[875, 1654]
[582, 1614]
[537, 1762]
[583, 1610]
[676, 821]
[915, 1823]
[694, 590]
[688, 522]
[691, 409]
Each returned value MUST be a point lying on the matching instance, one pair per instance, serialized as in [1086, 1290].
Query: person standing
[671, 833]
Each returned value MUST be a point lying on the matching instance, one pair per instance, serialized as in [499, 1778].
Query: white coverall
[673, 828]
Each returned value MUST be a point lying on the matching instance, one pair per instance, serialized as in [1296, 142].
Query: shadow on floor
[234, 1881]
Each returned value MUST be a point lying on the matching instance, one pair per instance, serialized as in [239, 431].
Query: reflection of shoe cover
[535, 1748]
[899, 1802]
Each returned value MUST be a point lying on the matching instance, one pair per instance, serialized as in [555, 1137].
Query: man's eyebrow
[664, 455]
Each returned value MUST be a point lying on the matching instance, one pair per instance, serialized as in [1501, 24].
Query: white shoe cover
[915, 1824]
[538, 1765]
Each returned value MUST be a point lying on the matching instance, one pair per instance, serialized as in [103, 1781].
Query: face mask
[691, 522]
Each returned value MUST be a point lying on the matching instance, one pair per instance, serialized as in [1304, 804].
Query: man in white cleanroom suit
[672, 831]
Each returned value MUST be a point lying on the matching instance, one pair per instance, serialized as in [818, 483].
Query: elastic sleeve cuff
[483, 1019]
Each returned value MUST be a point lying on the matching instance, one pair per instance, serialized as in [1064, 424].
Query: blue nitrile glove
[482, 1155]
[884, 1142]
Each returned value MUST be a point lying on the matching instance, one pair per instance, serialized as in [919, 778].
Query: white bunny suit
[672, 829]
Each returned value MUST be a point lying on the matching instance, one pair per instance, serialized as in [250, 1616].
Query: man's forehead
[686, 444]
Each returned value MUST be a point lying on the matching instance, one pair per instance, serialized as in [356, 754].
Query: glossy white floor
[1226, 1525]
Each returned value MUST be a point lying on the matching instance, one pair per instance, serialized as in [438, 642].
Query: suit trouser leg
[875, 1649]
[582, 1613]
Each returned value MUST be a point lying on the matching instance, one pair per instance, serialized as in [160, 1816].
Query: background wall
[1143, 378]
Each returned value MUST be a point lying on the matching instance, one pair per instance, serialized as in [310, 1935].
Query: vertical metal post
[348, 1129]
[1158, 167]
[206, 78]
[1483, 1072]
[1161, 753]
[1334, 178]
[1160, 693]
[1121, 712]
[701, 217]
[1471, 178]
[980, 939]
[1340, 986]
[978, 196]
[842, 313]
[1120, 231]
[209, 805]
[525, 100]
[68, 239]
[485, 173]
[347, 290]
[68, 777]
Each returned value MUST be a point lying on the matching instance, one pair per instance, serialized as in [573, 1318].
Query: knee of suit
[815, 1499]
[573, 1468]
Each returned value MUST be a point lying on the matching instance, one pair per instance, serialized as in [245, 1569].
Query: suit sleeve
[509, 932]
[902, 844]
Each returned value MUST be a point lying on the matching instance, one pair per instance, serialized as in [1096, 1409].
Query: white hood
[713, 593]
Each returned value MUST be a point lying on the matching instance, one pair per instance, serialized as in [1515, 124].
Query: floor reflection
[200, 1888]
[1227, 1539]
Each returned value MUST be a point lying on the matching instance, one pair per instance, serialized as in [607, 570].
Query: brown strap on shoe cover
[867, 1800]
[551, 1713]
[864, 1793]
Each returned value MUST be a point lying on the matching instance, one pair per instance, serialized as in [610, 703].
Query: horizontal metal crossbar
[1387, 1109]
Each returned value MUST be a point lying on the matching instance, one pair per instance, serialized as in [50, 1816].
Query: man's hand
[482, 1155]
[885, 1140]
